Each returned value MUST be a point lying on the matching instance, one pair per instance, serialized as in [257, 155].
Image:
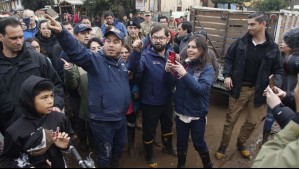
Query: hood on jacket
[26, 96]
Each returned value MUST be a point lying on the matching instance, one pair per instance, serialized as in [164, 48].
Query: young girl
[195, 76]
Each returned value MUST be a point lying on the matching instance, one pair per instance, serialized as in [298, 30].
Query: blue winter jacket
[118, 25]
[156, 84]
[193, 91]
[108, 84]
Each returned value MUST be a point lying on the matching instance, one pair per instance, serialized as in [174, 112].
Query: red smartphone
[171, 56]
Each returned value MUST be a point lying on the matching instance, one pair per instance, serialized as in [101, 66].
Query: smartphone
[52, 13]
[171, 56]
[271, 81]
[27, 22]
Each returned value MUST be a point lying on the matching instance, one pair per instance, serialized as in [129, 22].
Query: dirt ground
[216, 118]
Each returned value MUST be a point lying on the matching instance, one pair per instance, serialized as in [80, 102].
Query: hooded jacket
[20, 131]
[13, 72]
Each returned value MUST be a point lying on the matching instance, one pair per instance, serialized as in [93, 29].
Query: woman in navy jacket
[195, 76]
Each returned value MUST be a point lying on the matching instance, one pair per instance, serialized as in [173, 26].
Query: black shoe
[170, 151]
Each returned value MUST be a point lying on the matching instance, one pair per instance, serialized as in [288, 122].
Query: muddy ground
[216, 118]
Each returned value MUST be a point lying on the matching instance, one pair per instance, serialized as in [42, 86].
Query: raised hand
[61, 140]
[53, 25]
[137, 44]
[67, 65]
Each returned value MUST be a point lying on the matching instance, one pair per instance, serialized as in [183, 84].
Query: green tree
[269, 5]
[34, 4]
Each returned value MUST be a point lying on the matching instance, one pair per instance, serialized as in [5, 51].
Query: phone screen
[26, 21]
[171, 56]
[271, 81]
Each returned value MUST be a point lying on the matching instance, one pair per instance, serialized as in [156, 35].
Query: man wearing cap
[134, 33]
[110, 20]
[108, 88]
[145, 26]
[82, 34]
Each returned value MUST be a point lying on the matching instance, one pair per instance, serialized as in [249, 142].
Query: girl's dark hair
[98, 40]
[9, 21]
[201, 45]
[40, 23]
[42, 50]
[45, 85]
[127, 47]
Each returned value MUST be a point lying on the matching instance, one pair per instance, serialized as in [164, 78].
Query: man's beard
[159, 48]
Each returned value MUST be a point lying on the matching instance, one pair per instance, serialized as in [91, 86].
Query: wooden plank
[238, 16]
[211, 19]
[238, 22]
[212, 25]
[215, 32]
[210, 13]
[217, 44]
[216, 38]
[235, 34]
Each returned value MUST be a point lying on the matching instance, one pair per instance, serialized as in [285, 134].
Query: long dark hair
[201, 45]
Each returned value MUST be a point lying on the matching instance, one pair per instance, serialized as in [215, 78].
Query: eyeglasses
[35, 47]
[161, 38]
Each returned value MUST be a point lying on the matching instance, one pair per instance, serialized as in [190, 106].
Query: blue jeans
[198, 128]
[109, 140]
[269, 120]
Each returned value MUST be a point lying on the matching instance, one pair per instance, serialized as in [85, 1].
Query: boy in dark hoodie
[21, 149]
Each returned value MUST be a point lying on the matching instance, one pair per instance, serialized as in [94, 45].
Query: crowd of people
[77, 84]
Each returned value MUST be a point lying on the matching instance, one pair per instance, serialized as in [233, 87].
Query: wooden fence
[225, 26]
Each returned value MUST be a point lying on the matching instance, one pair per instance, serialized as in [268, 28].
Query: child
[23, 140]
[134, 104]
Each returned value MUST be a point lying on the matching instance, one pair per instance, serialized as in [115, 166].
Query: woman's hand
[179, 69]
[168, 66]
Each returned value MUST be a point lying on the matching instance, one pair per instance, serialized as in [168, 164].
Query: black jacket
[234, 66]
[20, 131]
[14, 72]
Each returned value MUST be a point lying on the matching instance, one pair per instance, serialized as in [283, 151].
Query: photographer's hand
[272, 99]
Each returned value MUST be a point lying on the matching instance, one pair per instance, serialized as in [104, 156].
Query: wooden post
[278, 28]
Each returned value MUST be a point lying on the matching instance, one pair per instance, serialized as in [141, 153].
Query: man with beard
[249, 62]
[156, 90]
[108, 89]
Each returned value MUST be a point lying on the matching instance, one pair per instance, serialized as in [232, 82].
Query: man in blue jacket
[109, 91]
[110, 20]
[156, 90]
